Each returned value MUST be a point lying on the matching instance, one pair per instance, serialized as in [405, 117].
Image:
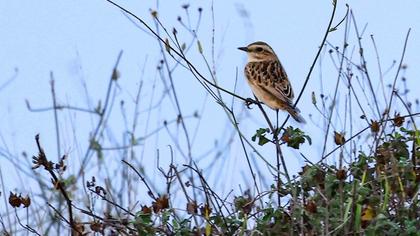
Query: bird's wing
[271, 76]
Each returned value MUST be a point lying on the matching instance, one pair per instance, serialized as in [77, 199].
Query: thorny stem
[334, 100]
[361, 131]
[141, 178]
[102, 116]
[279, 153]
[395, 80]
[180, 54]
[328, 30]
[364, 64]
[57, 129]
[178, 106]
[58, 184]
[184, 190]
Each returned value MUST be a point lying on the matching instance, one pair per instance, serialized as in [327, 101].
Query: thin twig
[57, 128]
[112, 79]
[328, 30]
[180, 54]
[361, 131]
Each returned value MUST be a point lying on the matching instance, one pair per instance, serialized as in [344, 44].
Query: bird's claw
[249, 102]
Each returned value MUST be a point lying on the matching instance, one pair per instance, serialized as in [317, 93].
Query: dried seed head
[374, 127]
[339, 138]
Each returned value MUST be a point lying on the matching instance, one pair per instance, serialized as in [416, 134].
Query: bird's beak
[245, 49]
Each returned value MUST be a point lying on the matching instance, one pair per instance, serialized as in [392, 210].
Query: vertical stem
[57, 129]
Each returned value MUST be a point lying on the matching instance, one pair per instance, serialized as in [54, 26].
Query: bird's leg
[277, 132]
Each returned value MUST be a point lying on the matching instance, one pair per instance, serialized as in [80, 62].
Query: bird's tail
[295, 113]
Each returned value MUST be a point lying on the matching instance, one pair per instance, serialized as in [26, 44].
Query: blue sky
[79, 42]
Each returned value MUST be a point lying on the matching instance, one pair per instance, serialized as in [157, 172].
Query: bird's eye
[259, 49]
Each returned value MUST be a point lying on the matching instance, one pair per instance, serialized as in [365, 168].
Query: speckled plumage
[268, 79]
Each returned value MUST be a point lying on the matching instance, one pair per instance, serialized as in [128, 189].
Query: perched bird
[268, 80]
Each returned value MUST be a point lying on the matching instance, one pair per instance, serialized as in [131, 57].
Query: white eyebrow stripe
[265, 47]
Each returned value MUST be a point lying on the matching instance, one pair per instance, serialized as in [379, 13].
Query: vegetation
[371, 186]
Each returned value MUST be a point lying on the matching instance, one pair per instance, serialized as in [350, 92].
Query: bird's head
[259, 51]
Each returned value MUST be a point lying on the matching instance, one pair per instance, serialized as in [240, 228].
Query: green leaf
[260, 134]
[295, 137]
[96, 146]
[133, 140]
[165, 216]
[69, 180]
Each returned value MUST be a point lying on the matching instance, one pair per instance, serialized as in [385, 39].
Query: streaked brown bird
[268, 79]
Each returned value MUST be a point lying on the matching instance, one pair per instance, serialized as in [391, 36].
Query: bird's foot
[249, 102]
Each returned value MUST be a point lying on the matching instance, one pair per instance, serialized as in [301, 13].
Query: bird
[268, 79]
